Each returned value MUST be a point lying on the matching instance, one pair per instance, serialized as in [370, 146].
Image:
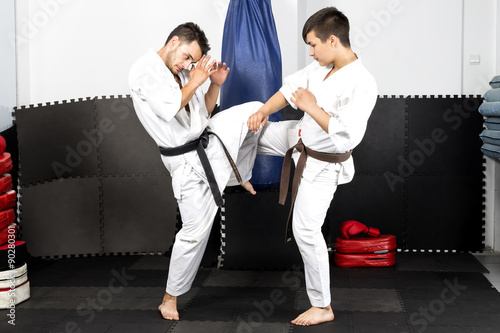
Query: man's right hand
[202, 71]
[256, 120]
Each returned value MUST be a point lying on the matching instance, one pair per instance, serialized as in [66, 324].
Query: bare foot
[314, 316]
[247, 186]
[168, 307]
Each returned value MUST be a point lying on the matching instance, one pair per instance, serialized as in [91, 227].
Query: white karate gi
[157, 98]
[348, 96]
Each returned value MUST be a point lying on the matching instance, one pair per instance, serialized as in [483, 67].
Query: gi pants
[312, 202]
[196, 203]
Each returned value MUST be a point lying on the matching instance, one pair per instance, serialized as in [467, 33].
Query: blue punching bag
[251, 50]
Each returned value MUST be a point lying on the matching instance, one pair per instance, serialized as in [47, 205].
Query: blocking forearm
[275, 103]
[211, 97]
[187, 93]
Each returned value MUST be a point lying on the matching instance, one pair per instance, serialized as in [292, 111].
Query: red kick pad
[365, 251]
[5, 163]
[5, 232]
[365, 244]
[8, 199]
[5, 182]
[6, 217]
[3, 144]
[365, 259]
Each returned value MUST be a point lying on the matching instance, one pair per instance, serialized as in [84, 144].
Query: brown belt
[285, 175]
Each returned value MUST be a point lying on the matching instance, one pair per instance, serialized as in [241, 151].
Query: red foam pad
[358, 244]
[5, 163]
[5, 182]
[365, 259]
[7, 216]
[8, 199]
[3, 145]
[5, 232]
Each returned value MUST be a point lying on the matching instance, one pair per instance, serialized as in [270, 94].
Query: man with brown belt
[337, 95]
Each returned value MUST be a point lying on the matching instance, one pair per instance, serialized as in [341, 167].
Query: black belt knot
[200, 145]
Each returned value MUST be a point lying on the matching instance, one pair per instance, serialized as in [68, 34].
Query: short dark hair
[326, 22]
[188, 33]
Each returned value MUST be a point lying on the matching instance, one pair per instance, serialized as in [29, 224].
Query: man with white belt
[200, 151]
[337, 95]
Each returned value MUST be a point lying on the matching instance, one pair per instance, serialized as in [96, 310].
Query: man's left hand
[219, 75]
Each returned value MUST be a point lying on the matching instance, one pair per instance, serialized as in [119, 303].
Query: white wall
[419, 47]
[480, 19]
[7, 63]
[84, 48]
[81, 48]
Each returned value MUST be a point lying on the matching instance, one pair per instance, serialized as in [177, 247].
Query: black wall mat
[442, 135]
[56, 141]
[418, 176]
[445, 212]
[255, 232]
[384, 140]
[61, 217]
[130, 207]
[138, 214]
[125, 146]
[369, 200]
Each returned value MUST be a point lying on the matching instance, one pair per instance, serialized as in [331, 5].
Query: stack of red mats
[14, 284]
[7, 197]
[362, 246]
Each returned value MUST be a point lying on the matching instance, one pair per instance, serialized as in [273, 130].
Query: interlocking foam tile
[338, 275]
[160, 263]
[356, 299]
[228, 303]
[420, 285]
[430, 328]
[200, 327]
[260, 327]
[89, 321]
[72, 326]
[443, 134]
[118, 298]
[37, 321]
[482, 319]
[125, 147]
[262, 221]
[370, 200]
[61, 217]
[227, 278]
[56, 141]
[341, 324]
[368, 277]
[443, 314]
[445, 212]
[139, 214]
[384, 140]
[448, 262]
[92, 271]
[387, 322]
[140, 327]
[104, 262]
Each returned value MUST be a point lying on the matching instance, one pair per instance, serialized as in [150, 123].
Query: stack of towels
[490, 108]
